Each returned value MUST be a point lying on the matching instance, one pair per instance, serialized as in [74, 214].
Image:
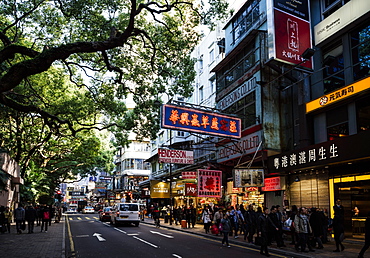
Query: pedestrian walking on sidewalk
[264, 224]
[2, 220]
[207, 218]
[316, 222]
[45, 218]
[8, 218]
[367, 237]
[19, 216]
[30, 217]
[225, 229]
[303, 229]
[338, 225]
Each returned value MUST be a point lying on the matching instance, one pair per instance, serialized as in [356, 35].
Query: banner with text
[244, 177]
[175, 156]
[209, 183]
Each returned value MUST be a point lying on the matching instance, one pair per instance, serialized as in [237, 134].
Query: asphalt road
[88, 237]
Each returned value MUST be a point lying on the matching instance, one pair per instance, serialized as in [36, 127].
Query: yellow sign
[159, 189]
[338, 95]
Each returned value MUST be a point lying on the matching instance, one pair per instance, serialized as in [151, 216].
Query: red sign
[292, 38]
[209, 183]
[189, 175]
[272, 184]
[175, 156]
[191, 190]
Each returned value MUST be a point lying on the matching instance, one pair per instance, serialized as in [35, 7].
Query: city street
[88, 237]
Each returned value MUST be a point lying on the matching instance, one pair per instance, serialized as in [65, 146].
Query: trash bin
[183, 223]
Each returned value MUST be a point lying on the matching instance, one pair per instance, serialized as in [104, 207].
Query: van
[125, 213]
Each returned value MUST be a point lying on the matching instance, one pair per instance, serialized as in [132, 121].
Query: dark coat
[316, 222]
[31, 214]
[275, 221]
[367, 229]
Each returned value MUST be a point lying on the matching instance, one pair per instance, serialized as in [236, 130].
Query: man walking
[19, 216]
[30, 217]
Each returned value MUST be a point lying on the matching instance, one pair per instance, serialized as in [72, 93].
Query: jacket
[19, 213]
[302, 224]
[226, 225]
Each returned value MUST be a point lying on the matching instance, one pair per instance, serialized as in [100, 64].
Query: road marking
[87, 218]
[79, 218]
[100, 238]
[133, 234]
[124, 232]
[146, 242]
[106, 224]
[82, 236]
[155, 232]
[175, 255]
[70, 218]
[96, 218]
[71, 243]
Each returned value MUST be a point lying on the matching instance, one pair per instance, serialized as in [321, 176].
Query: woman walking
[264, 225]
[338, 225]
[226, 228]
[207, 219]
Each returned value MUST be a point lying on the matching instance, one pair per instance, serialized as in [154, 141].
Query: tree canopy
[66, 68]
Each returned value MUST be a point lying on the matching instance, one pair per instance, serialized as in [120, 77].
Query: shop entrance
[355, 197]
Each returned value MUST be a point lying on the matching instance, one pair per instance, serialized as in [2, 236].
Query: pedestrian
[338, 225]
[217, 217]
[19, 216]
[237, 219]
[45, 218]
[275, 229]
[2, 220]
[207, 218]
[264, 224]
[303, 229]
[367, 237]
[316, 222]
[8, 218]
[38, 215]
[279, 234]
[250, 218]
[156, 215]
[226, 229]
[293, 213]
[30, 216]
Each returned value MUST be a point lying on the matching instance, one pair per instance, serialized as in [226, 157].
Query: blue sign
[193, 120]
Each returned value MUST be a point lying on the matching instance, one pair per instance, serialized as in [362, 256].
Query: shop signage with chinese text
[244, 177]
[189, 175]
[204, 122]
[338, 95]
[159, 189]
[191, 190]
[175, 156]
[209, 183]
[272, 184]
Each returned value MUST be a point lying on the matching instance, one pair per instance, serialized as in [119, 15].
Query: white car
[88, 209]
[125, 213]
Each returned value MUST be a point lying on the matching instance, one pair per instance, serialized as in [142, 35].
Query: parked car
[88, 209]
[125, 213]
[104, 215]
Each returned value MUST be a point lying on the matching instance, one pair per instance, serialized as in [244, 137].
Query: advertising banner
[244, 177]
[204, 122]
[191, 190]
[209, 183]
[272, 184]
[159, 189]
[175, 156]
[189, 175]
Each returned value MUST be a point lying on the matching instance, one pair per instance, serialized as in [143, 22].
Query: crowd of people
[308, 228]
[35, 216]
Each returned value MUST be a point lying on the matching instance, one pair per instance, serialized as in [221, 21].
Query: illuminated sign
[272, 184]
[159, 189]
[175, 156]
[189, 175]
[186, 119]
[338, 95]
[248, 177]
[191, 190]
[209, 183]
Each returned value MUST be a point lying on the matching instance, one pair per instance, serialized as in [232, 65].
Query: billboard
[272, 184]
[175, 156]
[198, 121]
[159, 189]
[244, 177]
[191, 189]
[209, 183]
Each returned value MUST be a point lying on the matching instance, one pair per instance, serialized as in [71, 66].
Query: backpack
[46, 215]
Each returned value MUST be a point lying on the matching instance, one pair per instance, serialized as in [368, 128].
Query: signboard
[175, 156]
[344, 16]
[189, 175]
[106, 178]
[248, 177]
[338, 95]
[272, 184]
[289, 31]
[246, 145]
[191, 190]
[204, 122]
[159, 189]
[209, 183]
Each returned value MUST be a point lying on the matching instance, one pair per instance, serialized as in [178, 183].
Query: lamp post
[170, 172]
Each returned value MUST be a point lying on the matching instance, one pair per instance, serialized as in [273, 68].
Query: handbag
[258, 240]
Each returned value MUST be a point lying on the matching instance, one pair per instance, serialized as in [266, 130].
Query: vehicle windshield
[129, 207]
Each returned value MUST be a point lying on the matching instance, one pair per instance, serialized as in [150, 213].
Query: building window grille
[334, 73]
[337, 123]
[330, 6]
[360, 43]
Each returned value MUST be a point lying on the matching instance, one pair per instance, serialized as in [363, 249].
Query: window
[201, 94]
[334, 73]
[200, 63]
[330, 6]
[212, 85]
[180, 134]
[245, 109]
[211, 56]
[360, 43]
[363, 114]
[337, 123]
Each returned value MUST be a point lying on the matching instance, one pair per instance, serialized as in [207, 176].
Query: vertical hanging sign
[209, 183]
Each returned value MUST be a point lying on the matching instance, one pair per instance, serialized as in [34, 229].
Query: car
[125, 213]
[88, 209]
[104, 215]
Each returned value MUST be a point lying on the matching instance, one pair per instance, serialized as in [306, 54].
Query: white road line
[155, 232]
[175, 255]
[124, 232]
[142, 240]
[135, 234]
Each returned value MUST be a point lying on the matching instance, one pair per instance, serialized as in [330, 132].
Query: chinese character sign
[191, 189]
[209, 183]
[248, 177]
[186, 119]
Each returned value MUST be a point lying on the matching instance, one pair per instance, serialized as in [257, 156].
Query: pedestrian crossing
[82, 218]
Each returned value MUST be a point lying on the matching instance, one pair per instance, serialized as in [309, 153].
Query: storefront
[244, 196]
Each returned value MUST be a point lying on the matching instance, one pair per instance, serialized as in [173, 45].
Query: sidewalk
[352, 246]
[36, 245]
